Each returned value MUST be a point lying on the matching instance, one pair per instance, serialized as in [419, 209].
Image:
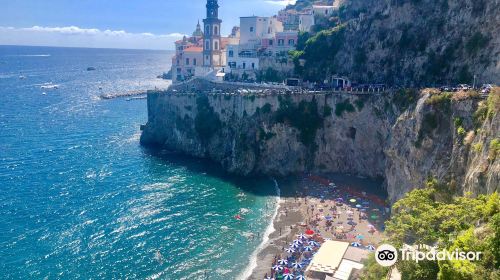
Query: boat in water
[49, 86]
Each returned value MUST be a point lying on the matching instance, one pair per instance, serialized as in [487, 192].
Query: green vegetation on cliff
[304, 117]
[207, 122]
[431, 216]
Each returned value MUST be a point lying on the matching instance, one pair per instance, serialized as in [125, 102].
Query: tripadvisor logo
[386, 255]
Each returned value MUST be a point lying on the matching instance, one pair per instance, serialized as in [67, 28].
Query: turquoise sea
[81, 199]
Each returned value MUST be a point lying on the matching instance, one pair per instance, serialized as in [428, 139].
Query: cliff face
[409, 42]
[363, 135]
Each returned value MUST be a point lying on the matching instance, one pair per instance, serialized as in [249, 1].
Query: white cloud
[281, 2]
[74, 36]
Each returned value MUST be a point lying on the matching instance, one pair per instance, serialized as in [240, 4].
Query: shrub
[359, 104]
[404, 98]
[494, 149]
[478, 147]
[266, 109]
[327, 111]
[476, 42]
[342, 107]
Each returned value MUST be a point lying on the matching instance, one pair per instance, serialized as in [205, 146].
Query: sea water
[81, 199]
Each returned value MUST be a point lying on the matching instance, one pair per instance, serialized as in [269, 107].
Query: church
[204, 53]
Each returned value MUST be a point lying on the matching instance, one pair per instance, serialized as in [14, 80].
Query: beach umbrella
[358, 206]
[277, 267]
[370, 248]
[298, 241]
[308, 248]
[350, 218]
[290, 250]
[309, 232]
[296, 265]
[328, 218]
[287, 276]
[352, 200]
[360, 237]
[301, 236]
[300, 277]
[339, 230]
[351, 223]
[374, 217]
[269, 278]
[356, 244]
[282, 262]
[313, 243]
[294, 245]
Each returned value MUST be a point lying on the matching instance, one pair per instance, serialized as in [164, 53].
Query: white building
[254, 29]
[323, 10]
[306, 22]
[241, 59]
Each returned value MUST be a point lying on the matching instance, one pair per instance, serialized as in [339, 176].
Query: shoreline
[270, 229]
[294, 216]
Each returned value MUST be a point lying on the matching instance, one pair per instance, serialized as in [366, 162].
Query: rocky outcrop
[380, 136]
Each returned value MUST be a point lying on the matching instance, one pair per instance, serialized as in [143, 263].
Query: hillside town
[258, 45]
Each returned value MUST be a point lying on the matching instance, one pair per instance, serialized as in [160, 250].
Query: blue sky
[153, 24]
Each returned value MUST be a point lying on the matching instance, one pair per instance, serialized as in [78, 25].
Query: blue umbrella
[290, 250]
[308, 248]
[356, 244]
[370, 247]
[298, 241]
[294, 245]
[287, 276]
[328, 218]
[268, 278]
[358, 206]
[296, 265]
[301, 236]
[300, 277]
[277, 267]
[313, 243]
[283, 262]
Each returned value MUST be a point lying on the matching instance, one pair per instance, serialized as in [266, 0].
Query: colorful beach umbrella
[374, 217]
[277, 267]
[294, 245]
[309, 232]
[289, 250]
[356, 244]
[298, 241]
[352, 200]
[308, 248]
[282, 262]
[360, 237]
[287, 276]
[313, 243]
[296, 265]
[370, 248]
[301, 236]
[300, 277]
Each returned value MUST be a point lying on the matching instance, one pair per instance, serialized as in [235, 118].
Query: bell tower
[212, 54]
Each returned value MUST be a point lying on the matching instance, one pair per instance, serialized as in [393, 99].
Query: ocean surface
[81, 199]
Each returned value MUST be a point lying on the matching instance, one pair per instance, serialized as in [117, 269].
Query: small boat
[22, 77]
[91, 69]
[49, 86]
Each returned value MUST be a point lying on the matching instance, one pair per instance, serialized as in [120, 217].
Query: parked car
[464, 87]
[486, 88]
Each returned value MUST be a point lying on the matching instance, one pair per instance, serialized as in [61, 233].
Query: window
[207, 45]
[281, 42]
[244, 65]
[231, 53]
[253, 65]
[178, 62]
[251, 29]
[194, 61]
[187, 61]
[179, 70]
[216, 45]
[232, 64]
[291, 42]
[269, 30]
[216, 30]
[271, 42]
[207, 30]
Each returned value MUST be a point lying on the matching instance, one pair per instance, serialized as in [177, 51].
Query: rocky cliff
[405, 42]
[391, 136]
